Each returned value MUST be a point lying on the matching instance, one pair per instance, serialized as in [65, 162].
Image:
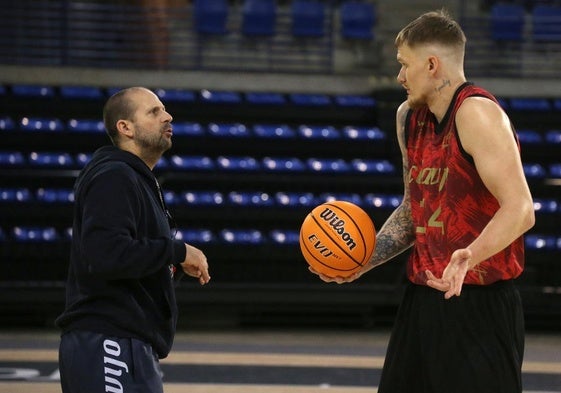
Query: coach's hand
[195, 264]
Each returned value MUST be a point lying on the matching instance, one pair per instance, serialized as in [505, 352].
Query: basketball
[337, 238]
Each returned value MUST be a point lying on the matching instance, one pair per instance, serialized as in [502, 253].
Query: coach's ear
[125, 128]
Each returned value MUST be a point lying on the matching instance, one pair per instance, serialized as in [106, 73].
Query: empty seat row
[508, 22]
[308, 18]
[17, 159]
[197, 129]
[238, 236]
[203, 96]
[243, 198]
[213, 198]
[540, 171]
[533, 137]
[534, 104]
[49, 234]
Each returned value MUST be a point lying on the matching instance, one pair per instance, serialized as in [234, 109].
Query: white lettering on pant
[112, 351]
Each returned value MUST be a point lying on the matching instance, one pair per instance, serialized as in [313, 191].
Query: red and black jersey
[450, 204]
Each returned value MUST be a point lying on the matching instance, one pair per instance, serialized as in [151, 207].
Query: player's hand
[195, 264]
[338, 280]
[453, 275]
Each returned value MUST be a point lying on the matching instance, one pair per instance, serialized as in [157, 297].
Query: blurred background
[278, 106]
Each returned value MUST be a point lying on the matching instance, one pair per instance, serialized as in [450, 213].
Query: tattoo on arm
[397, 234]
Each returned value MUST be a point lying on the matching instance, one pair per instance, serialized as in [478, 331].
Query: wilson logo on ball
[338, 226]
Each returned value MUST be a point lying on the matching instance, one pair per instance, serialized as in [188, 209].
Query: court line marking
[260, 359]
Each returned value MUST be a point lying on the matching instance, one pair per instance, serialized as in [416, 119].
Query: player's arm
[397, 234]
[486, 135]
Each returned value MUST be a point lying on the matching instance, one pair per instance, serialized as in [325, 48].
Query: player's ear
[432, 63]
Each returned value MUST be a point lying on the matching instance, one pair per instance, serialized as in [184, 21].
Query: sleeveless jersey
[450, 204]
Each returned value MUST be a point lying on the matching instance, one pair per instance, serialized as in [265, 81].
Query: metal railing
[94, 34]
[116, 36]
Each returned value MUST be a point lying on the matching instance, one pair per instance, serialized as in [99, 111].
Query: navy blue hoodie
[120, 278]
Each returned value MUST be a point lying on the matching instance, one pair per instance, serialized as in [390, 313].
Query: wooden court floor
[260, 361]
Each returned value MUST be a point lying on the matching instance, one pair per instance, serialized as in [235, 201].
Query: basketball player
[466, 205]
[121, 312]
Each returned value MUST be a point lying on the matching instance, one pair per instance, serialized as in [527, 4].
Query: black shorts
[93, 362]
[473, 343]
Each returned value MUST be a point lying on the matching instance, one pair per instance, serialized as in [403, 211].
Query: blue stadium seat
[540, 242]
[19, 194]
[553, 137]
[383, 201]
[211, 17]
[7, 124]
[82, 159]
[378, 167]
[221, 97]
[260, 98]
[289, 164]
[191, 162]
[352, 100]
[162, 163]
[2, 235]
[530, 104]
[237, 130]
[33, 91]
[283, 236]
[187, 128]
[507, 22]
[349, 197]
[175, 95]
[241, 236]
[503, 102]
[534, 170]
[259, 18]
[546, 23]
[546, 205]
[81, 92]
[555, 170]
[273, 131]
[85, 125]
[238, 163]
[55, 195]
[41, 124]
[309, 99]
[12, 158]
[35, 234]
[195, 235]
[210, 198]
[364, 133]
[51, 159]
[296, 199]
[531, 137]
[318, 132]
[249, 198]
[308, 18]
[171, 198]
[357, 19]
[67, 233]
[328, 165]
